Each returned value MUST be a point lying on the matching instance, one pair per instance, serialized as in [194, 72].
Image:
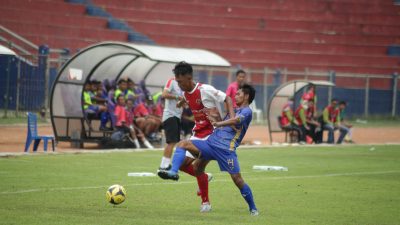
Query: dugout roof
[113, 60]
[281, 96]
[6, 51]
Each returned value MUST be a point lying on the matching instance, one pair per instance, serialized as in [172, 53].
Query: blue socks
[178, 159]
[248, 196]
[103, 119]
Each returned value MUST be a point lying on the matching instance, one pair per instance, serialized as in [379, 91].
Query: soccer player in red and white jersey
[204, 101]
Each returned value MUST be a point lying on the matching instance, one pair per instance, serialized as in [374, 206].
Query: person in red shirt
[147, 122]
[331, 122]
[309, 95]
[203, 100]
[289, 123]
[120, 112]
[135, 132]
[121, 118]
[305, 118]
[234, 86]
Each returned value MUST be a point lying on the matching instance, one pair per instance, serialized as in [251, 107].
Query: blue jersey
[230, 137]
[222, 143]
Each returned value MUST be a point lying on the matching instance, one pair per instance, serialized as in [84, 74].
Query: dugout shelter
[281, 96]
[114, 60]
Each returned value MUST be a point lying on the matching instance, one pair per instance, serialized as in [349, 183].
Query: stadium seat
[257, 112]
[346, 36]
[33, 135]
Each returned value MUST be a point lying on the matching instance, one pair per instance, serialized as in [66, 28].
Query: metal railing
[28, 55]
[267, 80]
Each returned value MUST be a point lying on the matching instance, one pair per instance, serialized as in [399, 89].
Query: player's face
[131, 85]
[123, 86]
[88, 87]
[94, 87]
[240, 78]
[129, 104]
[240, 97]
[184, 82]
[121, 100]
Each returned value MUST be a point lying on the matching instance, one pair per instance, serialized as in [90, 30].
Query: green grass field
[324, 185]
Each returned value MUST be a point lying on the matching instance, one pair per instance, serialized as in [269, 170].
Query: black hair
[343, 103]
[311, 86]
[121, 81]
[130, 80]
[120, 95]
[183, 68]
[239, 72]
[249, 90]
[334, 100]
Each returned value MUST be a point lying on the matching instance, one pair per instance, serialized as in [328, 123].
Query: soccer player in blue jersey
[221, 146]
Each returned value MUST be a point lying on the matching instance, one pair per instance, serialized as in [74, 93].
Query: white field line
[243, 147]
[192, 182]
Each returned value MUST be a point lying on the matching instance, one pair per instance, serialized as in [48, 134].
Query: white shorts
[188, 154]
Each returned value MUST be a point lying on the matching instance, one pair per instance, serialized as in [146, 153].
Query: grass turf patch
[324, 185]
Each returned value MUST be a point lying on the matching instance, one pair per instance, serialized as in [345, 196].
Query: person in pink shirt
[120, 112]
[234, 86]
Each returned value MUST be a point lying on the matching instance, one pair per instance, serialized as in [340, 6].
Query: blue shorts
[227, 159]
[93, 109]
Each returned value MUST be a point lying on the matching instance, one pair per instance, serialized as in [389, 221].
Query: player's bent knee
[183, 144]
[198, 170]
[187, 162]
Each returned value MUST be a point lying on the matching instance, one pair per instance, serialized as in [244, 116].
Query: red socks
[202, 181]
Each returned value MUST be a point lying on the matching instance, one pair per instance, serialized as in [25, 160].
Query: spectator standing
[171, 120]
[234, 86]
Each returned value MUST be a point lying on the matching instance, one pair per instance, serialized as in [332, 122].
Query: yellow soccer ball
[116, 194]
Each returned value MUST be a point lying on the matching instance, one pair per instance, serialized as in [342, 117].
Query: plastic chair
[257, 112]
[33, 135]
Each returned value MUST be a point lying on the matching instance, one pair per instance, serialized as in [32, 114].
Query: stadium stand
[354, 36]
[342, 35]
[56, 23]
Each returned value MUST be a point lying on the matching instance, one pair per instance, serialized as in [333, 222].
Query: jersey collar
[194, 89]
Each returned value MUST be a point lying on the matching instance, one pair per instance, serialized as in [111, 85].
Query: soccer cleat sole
[166, 176]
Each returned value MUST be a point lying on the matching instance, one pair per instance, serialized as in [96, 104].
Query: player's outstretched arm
[228, 122]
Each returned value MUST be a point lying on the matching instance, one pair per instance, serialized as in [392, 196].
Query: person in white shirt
[171, 120]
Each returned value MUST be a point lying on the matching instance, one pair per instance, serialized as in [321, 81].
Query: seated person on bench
[99, 111]
[288, 122]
